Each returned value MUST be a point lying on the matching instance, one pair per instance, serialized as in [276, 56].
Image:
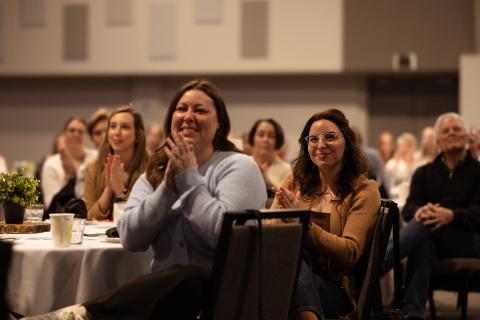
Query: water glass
[78, 228]
[34, 213]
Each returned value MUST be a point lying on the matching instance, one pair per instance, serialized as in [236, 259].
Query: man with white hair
[443, 210]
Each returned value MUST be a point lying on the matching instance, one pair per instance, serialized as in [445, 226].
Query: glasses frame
[322, 137]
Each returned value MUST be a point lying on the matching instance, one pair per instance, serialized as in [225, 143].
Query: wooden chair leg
[431, 303]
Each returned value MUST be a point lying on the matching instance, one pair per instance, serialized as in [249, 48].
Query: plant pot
[14, 213]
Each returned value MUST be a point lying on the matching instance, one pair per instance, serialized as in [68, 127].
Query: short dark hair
[279, 136]
[306, 173]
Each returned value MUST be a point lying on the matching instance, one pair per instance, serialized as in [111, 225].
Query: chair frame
[240, 218]
[460, 282]
[369, 304]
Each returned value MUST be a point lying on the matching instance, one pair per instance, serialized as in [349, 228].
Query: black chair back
[370, 267]
[256, 266]
[5, 257]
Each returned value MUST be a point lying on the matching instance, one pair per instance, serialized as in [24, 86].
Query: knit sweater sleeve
[144, 214]
[235, 184]
[238, 185]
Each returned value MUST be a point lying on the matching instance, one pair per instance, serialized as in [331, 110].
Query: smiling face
[326, 156]
[264, 139]
[195, 117]
[452, 136]
[121, 132]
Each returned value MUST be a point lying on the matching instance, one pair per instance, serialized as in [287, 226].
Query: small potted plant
[17, 192]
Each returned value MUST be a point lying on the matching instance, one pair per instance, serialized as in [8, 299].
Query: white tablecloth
[43, 278]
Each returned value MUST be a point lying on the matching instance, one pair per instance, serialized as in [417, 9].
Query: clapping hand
[180, 155]
[115, 174]
[285, 197]
[68, 164]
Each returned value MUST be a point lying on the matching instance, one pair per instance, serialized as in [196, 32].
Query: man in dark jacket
[443, 210]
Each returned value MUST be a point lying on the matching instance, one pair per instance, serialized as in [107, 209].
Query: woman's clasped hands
[115, 174]
[180, 155]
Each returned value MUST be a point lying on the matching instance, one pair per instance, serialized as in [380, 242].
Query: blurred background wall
[390, 65]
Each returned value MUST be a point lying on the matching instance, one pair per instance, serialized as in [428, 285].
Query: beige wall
[476, 20]
[33, 110]
[305, 36]
[469, 89]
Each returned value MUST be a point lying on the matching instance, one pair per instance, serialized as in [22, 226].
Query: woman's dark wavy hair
[279, 136]
[305, 172]
[158, 163]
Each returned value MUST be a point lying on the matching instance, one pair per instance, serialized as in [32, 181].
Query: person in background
[400, 168]
[3, 164]
[97, 126]
[428, 147]
[329, 178]
[375, 166]
[246, 146]
[121, 160]
[266, 138]
[154, 137]
[62, 176]
[474, 143]
[385, 145]
[442, 210]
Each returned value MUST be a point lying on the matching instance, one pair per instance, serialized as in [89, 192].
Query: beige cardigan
[351, 226]
[93, 192]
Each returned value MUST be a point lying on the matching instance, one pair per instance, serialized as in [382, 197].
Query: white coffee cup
[61, 228]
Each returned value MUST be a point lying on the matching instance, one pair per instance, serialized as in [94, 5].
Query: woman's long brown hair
[158, 163]
[306, 174]
[140, 154]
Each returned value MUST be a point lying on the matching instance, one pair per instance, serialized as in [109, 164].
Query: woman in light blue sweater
[177, 207]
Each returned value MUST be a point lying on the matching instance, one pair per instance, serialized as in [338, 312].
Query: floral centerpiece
[17, 192]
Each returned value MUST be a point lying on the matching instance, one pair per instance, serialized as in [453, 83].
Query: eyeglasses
[328, 138]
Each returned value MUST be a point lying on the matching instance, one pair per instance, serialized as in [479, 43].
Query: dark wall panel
[436, 31]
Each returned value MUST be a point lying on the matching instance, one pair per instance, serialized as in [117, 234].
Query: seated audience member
[3, 165]
[154, 137]
[121, 160]
[443, 210]
[266, 138]
[474, 143]
[329, 178]
[177, 208]
[62, 176]
[375, 167]
[246, 146]
[386, 145]
[97, 126]
[400, 168]
[428, 148]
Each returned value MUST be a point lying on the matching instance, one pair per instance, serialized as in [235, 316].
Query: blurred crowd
[63, 170]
